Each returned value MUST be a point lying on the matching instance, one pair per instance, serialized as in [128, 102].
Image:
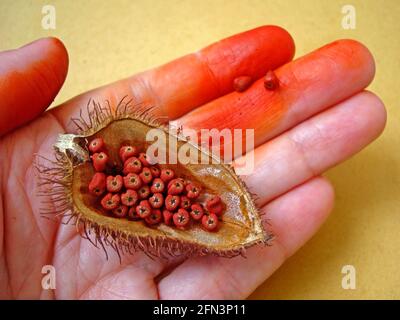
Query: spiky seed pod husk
[66, 178]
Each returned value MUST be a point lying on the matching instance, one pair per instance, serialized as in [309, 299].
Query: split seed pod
[67, 179]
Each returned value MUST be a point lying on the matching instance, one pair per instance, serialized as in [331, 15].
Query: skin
[320, 118]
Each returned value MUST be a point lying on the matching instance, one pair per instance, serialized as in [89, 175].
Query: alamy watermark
[49, 17]
[349, 278]
[349, 17]
[49, 278]
[229, 146]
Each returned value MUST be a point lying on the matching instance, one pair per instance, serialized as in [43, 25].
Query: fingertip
[57, 47]
[50, 50]
[372, 116]
[58, 57]
[327, 193]
[30, 78]
[286, 37]
[356, 56]
[298, 214]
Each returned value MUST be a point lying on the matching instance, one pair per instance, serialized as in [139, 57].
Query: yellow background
[109, 40]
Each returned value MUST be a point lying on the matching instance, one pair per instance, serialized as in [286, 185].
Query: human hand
[320, 118]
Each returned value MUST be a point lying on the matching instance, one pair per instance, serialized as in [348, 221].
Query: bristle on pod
[102, 180]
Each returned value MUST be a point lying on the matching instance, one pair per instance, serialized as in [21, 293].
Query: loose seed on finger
[271, 81]
[241, 84]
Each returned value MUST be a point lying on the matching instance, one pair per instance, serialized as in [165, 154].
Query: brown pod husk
[66, 180]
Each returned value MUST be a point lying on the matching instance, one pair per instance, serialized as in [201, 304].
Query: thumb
[30, 78]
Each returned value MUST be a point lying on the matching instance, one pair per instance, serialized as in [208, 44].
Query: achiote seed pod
[135, 222]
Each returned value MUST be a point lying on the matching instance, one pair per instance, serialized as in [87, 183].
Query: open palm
[321, 117]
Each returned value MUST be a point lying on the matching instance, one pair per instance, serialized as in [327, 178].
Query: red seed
[96, 145]
[240, 84]
[186, 182]
[197, 211]
[132, 181]
[181, 218]
[214, 205]
[176, 187]
[185, 203]
[193, 191]
[110, 201]
[144, 192]
[210, 222]
[132, 165]
[132, 214]
[167, 175]
[145, 159]
[155, 171]
[143, 209]
[271, 82]
[97, 185]
[167, 215]
[155, 217]
[157, 200]
[217, 209]
[129, 198]
[126, 152]
[99, 161]
[114, 184]
[175, 180]
[146, 175]
[172, 202]
[157, 186]
[121, 211]
[213, 201]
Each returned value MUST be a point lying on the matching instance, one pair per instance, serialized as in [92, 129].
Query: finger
[85, 275]
[30, 78]
[316, 145]
[294, 217]
[308, 85]
[194, 79]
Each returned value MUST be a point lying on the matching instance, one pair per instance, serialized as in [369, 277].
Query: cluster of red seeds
[143, 191]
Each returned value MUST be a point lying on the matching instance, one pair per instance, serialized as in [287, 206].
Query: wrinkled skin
[295, 198]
